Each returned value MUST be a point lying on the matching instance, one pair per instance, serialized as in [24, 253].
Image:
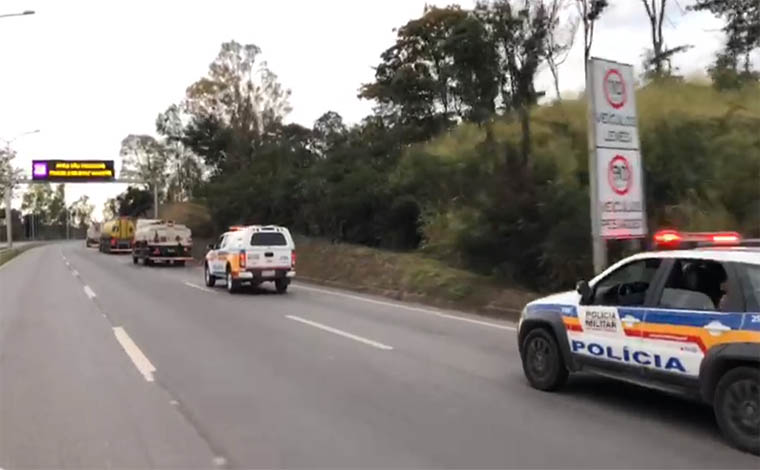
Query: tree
[560, 40]
[110, 209]
[37, 199]
[657, 63]
[144, 158]
[521, 37]
[81, 212]
[589, 12]
[442, 68]
[185, 170]
[235, 109]
[9, 175]
[57, 206]
[328, 132]
[134, 202]
[742, 31]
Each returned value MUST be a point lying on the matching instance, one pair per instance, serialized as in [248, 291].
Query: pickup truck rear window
[268, 239]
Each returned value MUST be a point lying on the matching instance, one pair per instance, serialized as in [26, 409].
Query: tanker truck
[116, 235]
[161, 241]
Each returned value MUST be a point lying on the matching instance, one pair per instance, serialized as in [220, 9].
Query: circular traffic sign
[614, 88]
[620, 175]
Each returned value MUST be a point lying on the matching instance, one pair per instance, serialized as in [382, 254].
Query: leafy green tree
[733, 65]
[185, 169]
[81, 212]
[134, 202]
[37, 200]
[234, 109]
[441, 68]
[146, 159]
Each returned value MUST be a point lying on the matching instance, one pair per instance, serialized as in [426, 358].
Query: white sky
[87, 73]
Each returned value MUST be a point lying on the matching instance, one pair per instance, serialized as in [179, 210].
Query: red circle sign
[614, 88]
[620, 175]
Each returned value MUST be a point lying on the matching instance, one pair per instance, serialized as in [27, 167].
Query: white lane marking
[89, 292]
[195, 286]
[75, 273]
[138, 358]
[413, 309]
[345, 334]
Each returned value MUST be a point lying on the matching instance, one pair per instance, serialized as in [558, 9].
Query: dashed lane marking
[338, 332]
[139, 359]
[410, 308]
[89, 292]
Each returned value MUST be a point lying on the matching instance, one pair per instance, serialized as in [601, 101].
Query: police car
[252, 255]
[684, 318]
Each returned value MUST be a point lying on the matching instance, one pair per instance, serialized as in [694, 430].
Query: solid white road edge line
[75, 273]
[89, 292]
[138, 358]
[345, 334]
[195, 286]
[407, 307]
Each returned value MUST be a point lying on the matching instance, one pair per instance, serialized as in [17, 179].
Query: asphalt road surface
[108, 364]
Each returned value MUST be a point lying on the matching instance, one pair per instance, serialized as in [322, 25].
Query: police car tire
[556, 373]
[232, 285]
[743, 382]
[208, 277]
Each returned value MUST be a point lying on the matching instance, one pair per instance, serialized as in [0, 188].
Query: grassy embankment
[7, 255]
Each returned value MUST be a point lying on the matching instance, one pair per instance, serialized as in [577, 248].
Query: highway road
[108, 364]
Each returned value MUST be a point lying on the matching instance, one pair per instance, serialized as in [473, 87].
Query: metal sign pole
[8, 214]
[598, 244]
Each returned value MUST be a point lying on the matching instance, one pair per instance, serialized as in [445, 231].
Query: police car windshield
[268, 239]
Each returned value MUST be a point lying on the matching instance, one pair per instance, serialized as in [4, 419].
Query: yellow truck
[116, 235]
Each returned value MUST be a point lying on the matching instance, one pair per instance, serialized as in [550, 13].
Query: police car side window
[695, 284]
[628, 285]
[220, 243]
[750, 278]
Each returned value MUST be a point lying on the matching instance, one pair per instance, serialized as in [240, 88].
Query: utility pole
[8, 225]
[155, 199]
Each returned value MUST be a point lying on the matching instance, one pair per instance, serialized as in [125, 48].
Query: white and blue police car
[683, 318]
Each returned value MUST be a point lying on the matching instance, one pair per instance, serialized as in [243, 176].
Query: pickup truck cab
[252, 255]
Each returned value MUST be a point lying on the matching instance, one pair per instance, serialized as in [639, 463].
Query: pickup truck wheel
[180, 263]
[737, 407]
[542, 361]
[147, 261]
[134, 259]
[232, 284]
[208, 277]
[281, 285]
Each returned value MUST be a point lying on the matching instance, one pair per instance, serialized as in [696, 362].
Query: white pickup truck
[251, 255]
[161, 241]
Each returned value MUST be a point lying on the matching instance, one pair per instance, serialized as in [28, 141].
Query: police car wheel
[208, 277]
[232, 284]
[737, 407]
[542, 362]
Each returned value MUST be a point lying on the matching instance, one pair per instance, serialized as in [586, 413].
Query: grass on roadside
[7, 255]
[410, 276]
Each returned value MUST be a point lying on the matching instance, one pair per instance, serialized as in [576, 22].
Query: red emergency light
[673, 238]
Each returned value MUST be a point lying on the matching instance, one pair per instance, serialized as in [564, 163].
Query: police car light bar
[673, 238]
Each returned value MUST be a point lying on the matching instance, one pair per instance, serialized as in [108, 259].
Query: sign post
[618, 209]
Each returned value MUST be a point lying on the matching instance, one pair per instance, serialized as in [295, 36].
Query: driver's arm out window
[627, 285]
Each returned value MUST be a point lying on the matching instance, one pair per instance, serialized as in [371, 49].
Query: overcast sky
[87, 73]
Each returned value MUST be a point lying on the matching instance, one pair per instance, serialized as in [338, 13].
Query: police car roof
[738, 254]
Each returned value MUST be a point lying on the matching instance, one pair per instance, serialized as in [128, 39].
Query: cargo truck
[161, 241]
[93, 235]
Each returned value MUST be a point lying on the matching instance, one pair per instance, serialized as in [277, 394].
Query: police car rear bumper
[261, 274]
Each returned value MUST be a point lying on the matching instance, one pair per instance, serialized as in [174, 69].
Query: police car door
[220, 260]
[701, 300]
[610, 321]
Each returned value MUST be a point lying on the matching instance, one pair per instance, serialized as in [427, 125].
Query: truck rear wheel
[737, 407]
[281, 285]
[134, 259]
